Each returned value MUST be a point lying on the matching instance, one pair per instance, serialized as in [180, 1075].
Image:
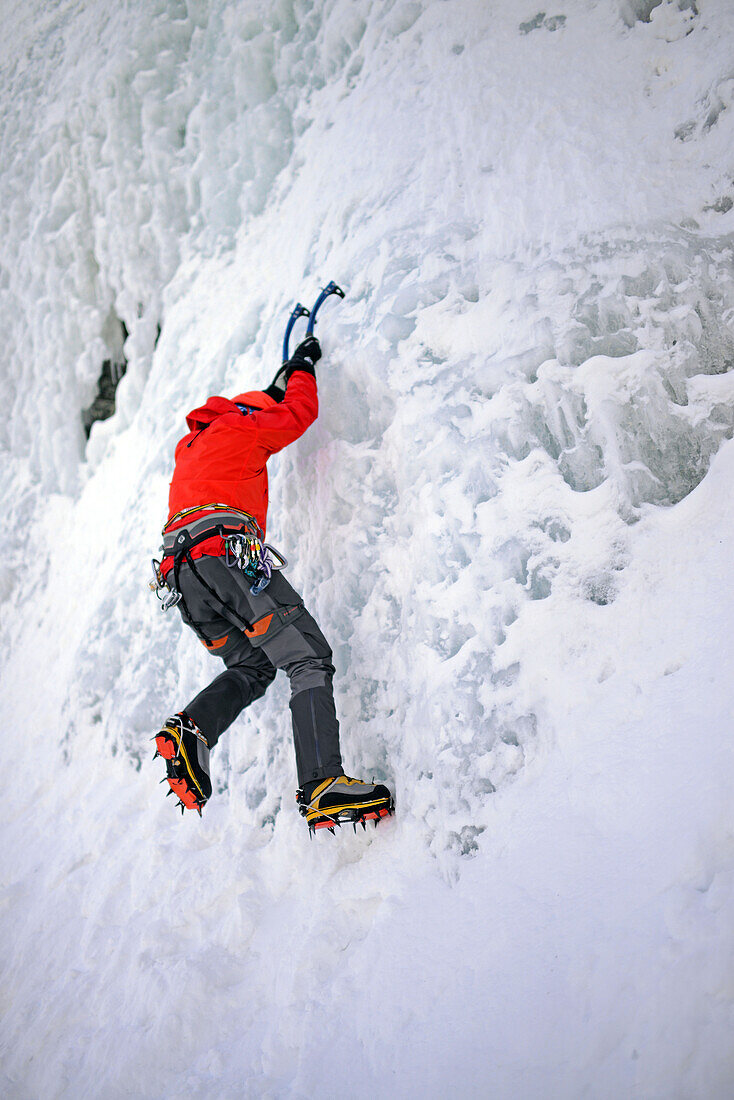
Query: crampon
[186, 753]
[344, 801]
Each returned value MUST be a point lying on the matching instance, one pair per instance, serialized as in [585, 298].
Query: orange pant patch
[217, 643]
[260, 627]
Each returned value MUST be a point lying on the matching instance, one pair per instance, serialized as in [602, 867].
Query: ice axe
[301, 311]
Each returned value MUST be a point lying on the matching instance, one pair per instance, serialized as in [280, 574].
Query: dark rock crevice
[113, 370]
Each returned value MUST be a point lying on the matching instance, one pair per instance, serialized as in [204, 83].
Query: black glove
[306, 355]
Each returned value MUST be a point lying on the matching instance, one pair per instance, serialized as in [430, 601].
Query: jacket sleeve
[283, 423]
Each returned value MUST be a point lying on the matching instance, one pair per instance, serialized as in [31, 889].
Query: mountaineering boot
[186, 752]
[331, 802]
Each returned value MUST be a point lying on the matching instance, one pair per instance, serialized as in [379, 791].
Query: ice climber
[229, 591]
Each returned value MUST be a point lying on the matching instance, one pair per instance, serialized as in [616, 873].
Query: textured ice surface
[504, 520]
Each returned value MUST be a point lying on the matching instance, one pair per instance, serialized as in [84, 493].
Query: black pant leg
[286, 636]
[248, 675]
[293, 641]
[249, 671]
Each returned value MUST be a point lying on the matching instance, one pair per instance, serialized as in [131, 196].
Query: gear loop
[245, 550]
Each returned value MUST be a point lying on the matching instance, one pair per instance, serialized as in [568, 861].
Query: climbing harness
[244, 549]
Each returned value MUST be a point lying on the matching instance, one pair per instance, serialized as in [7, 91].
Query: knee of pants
[254, 680]
[309, 672]
[241, 656]
[264, 676]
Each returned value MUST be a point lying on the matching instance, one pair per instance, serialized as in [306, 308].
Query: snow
[511, 520]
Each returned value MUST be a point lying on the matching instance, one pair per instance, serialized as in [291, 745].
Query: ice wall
[532, 215]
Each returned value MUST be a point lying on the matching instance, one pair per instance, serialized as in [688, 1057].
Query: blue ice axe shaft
[301, 311]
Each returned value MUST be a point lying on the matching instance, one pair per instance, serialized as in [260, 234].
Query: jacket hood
[218, 406]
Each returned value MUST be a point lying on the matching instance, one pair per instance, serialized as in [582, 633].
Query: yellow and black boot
[186, 752]
[331, 802]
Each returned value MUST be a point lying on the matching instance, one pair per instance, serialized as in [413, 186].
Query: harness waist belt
[207, 526]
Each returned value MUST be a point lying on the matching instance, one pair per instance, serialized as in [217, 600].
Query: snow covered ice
[511, 519]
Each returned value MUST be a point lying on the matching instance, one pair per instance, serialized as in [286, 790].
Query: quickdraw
[160, 585]
[246, 551]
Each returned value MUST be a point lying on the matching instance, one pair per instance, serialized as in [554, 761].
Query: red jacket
[222, 459]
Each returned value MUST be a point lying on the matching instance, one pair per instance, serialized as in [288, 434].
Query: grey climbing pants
[255, 636]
